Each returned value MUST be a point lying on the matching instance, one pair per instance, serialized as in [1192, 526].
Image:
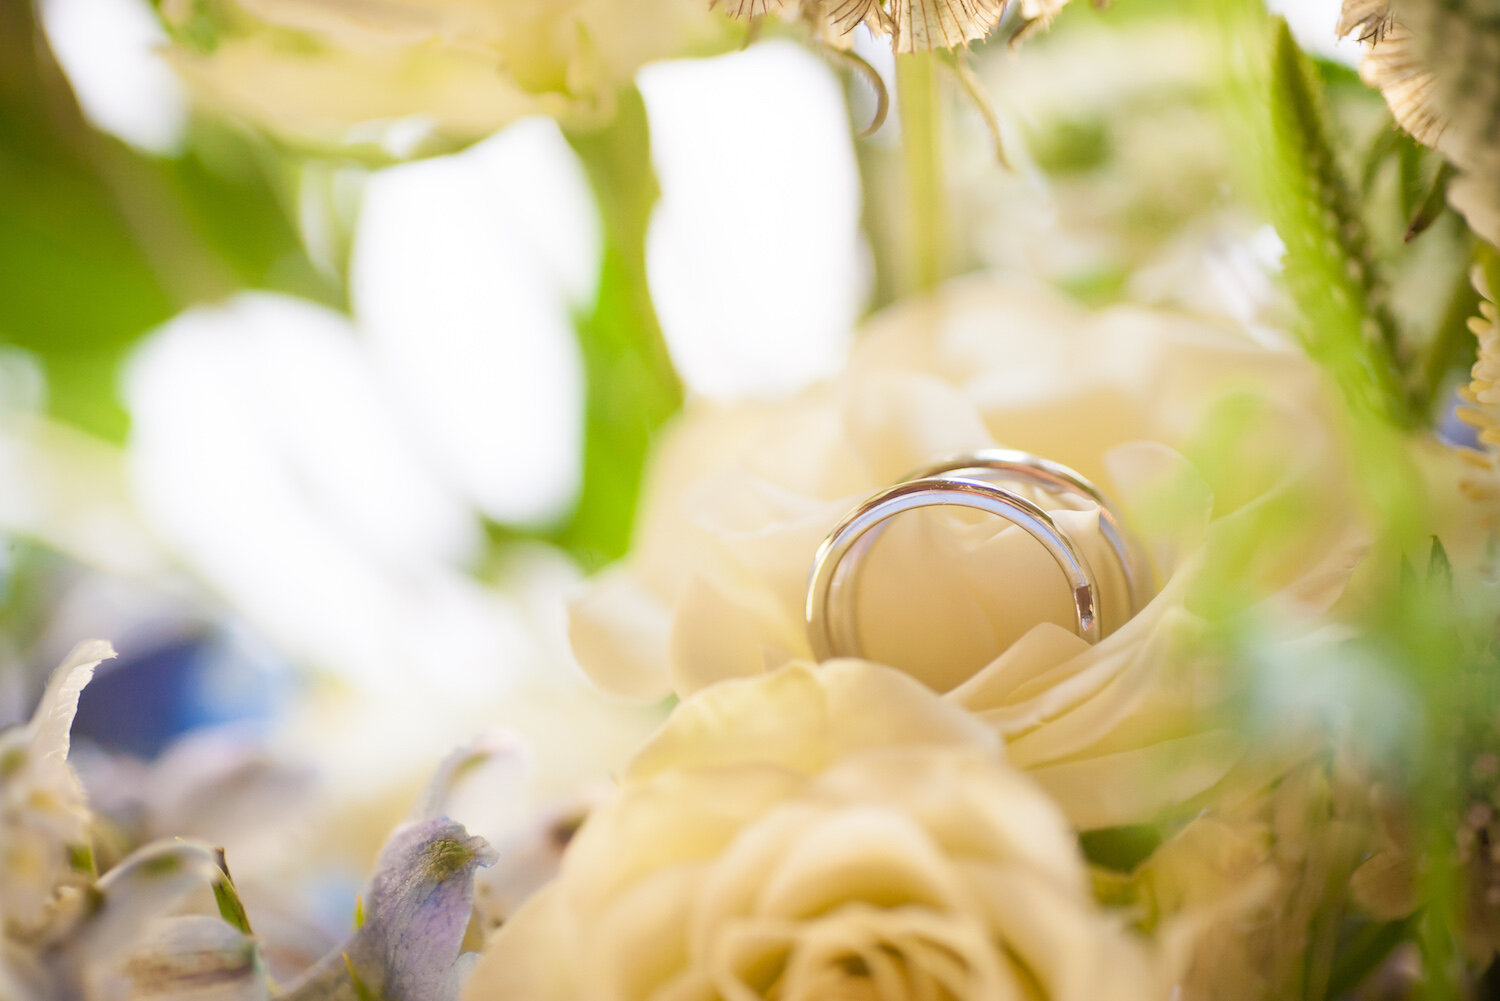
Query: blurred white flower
[112, 53]
[271, 455]
[44, 817]
[406, 76]
[466, 274]
[793, 224]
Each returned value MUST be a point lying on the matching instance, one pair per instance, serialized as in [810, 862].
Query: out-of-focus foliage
[98, 242]
[1329, 267]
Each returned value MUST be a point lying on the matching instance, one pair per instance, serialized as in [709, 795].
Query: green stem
[921, 147]
[632, 388]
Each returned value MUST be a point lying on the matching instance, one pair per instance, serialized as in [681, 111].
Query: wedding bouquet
[1114, 616]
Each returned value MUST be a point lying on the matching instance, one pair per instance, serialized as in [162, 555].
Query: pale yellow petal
[1065, 944]
[804, 717]
[618, 631]
[859, 854]
[722, 632]
[1132, 786]
[532, 956]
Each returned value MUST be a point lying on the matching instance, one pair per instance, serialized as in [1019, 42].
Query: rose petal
[720, 634]
[1117, 789]
[618, 631]
[803, 717]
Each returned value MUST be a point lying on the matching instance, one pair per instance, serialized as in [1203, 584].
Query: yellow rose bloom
[1200, 432]
[819, 833]
[408, 76]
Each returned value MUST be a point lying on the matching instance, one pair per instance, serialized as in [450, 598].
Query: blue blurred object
[1455, 430]
[141, 702]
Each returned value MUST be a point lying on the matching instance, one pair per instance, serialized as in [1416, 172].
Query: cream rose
[819, 833]
[1214, 445]
[408, 76]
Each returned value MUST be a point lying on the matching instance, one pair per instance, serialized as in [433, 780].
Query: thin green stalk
[632, 388]
[921, 147]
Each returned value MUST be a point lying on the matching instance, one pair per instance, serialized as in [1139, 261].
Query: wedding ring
[832, 629]
[1012, 465]
[972, 481]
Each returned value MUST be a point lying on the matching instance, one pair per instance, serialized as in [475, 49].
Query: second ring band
[833, 631]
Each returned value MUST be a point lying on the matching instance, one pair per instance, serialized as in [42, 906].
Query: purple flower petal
[414, 921]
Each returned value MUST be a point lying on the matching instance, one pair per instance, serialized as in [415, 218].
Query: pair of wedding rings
[980, 481]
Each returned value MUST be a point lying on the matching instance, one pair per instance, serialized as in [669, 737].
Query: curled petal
[53, 721]
[871, 76]
[497, 764]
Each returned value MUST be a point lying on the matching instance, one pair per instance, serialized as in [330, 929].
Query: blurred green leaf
[99, 243]
[1120, 849]
[1072, 146]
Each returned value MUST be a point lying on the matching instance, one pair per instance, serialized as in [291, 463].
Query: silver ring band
[837, 634]
[1023, 467]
